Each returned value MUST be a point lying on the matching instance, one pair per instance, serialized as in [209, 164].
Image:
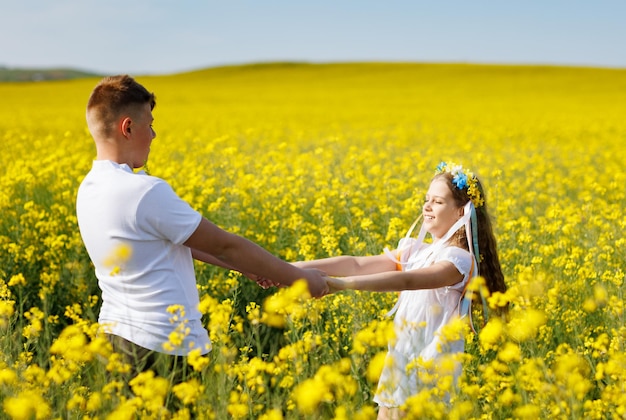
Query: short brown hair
[113, 96]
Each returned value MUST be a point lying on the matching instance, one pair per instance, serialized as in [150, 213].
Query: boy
[142, 238]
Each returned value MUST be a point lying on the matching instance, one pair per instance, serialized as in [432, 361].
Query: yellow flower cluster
[286, 304]
[329, 384]
[312, 161]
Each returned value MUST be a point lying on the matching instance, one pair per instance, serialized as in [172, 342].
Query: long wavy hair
[488, 261]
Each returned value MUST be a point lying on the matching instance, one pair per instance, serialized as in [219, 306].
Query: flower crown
[463, 179]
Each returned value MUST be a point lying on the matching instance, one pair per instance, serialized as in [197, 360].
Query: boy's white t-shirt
[134, 226]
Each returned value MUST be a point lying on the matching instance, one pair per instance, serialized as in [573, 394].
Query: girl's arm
[350, 266]
[440, 274]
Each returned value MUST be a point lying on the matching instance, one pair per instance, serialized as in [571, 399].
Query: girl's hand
[336, 285]
[263, 282]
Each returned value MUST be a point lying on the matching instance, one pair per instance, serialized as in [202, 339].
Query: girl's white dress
[419, 317]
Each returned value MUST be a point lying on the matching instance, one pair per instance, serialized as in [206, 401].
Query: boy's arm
[238, 253]
[440, 274]
[346, 265]
[210, 259]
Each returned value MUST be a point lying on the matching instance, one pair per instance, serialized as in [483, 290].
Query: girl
[431, 278]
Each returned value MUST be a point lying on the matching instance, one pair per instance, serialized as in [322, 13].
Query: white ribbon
[468, 209]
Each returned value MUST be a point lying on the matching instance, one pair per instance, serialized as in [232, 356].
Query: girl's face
[440, 210]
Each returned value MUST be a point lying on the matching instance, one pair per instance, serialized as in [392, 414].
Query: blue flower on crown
[460, 180]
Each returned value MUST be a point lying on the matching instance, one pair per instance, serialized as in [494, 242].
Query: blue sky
[170, 36]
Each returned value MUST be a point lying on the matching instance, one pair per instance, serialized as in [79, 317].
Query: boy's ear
[125, 126]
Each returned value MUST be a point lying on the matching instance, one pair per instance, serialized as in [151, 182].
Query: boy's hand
[316, 280]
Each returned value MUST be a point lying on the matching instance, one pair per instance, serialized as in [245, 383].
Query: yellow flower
[112, 387]
[375, 334]
[510, 352]
[177, 337]
[178, 313]
[572, 370]
[72, 344]
[126, 410]
[120, 254]
[375, 367]
[600, 294]
[590, 305]
[508, 398]
[492, 334]
[61, 370]
[17, 279]
[94, 402]
[151, 390]
[35, 375]
[206, 303]
[118, 258]
[254, 313]
[238, 405]
[309, 394]
[7, 309]
[99, 346]
[365, 413]
[272, 414]
[527, 412]
[453, 331]
[197, 361]
[35, 316]
[188, 392]
[525, 324]
[7, 376]
[27, 405]
[330, 383]
[366, 223]
[76, 401]
[116, 363]
[285, 304]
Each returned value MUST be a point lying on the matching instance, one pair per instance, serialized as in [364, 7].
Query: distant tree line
[35, 75]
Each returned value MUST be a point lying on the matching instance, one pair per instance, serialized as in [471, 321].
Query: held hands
[316, 280]
[333, 284]
[263, 282]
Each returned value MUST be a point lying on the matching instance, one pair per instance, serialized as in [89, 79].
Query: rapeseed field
[320, 160]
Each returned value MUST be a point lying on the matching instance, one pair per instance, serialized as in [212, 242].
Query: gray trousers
[142, 359]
